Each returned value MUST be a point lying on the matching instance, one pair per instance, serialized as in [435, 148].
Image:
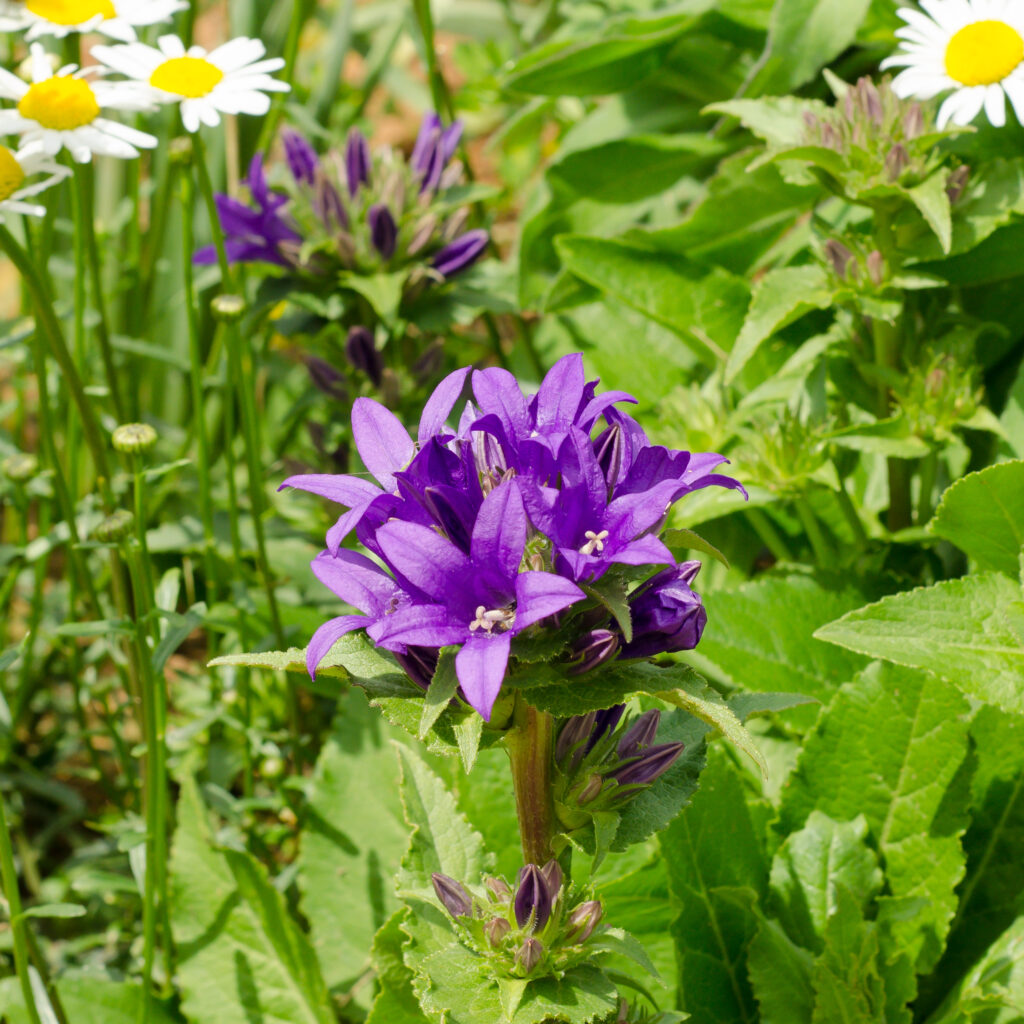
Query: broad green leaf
[958, 629]
[382, 291]
[716, 871]
[983, 515]
[893, 438]
[442, 840]
[442, 689]
[55, 910]
[395, 1002]
[353, 840]
[776, 120]
[779, 298]
[686, 540]
[932, 201]
[240, 954]
[780, 973]
[809, 869]
[888, 747]
[89, 999]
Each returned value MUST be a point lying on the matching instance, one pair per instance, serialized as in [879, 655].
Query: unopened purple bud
[362, 353]
[606, 721]
[383, 230]
[957, 182]
[422, 233]
[426, 142]
[582, 922]
[591, 791]
[460, 253]
[532, 900]
[593, 649]
[302, 158]
[452, 895]
[913, 121]
[499, 889]
[839, 256]
[667, 614]
[896, 161]
[419, 664]
[639, 735]
[328, 205]
[574, 733]
[530, 954]
[876, 267]
[329, 380]
[872, 101]
[496, 929]
[357, 161]
[553, 876]
[651, 764]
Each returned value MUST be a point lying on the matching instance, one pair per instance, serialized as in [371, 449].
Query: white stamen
[594, 542]
[489, 619]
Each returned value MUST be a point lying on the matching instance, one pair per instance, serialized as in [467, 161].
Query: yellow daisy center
[983, 52]
[11, 174]
[60, 103]
[70, 12]
[187, 76]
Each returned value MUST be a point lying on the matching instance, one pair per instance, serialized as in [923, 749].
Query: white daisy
[973, 47]
[117, 19]
[16, 168]
[229, 80]
[61, 110]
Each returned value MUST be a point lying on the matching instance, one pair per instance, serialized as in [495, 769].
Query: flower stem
[819, 543]
[530, 744]
[770, 536]
[300, 10]
[438, 87]
[929, 471]
[18, 930]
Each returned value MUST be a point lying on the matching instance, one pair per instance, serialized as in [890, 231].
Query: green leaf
[382, 291]
[983, 515]
[442, 840]
[396, 1001]
[442, 689]
[239, 951]
[932, 201]
[958, 629]
[780, 973]
[612, 593]
[357, 771]
[55, 910]
[776, 120]
[809, 868]
[893, 438]
[178, 628]
[686, 540]
[90, 998]
[716, 871]
[779, 298]
[888, 747]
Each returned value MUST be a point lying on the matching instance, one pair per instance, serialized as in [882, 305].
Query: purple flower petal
[480, 666]
[345, 490]
[327, 635]
[382, 442]
[356, 580]
[560, 393]
[440, 404]
[540, 594]
[499, 535]
[423, 557]
[429, 625]
[498, 392]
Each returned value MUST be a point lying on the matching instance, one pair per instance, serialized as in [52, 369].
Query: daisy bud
[530, 954]
[383, 230]
[20, 467]
[133, 438]
[357, 161]
[593, 649]
[499, 889]
[650, 765]
[496, 929]
[452, 895]
[228, 309]
[533, 900]
[362, 353]
[876, 267]
[639, 735]
[582, 922]
[115, 527]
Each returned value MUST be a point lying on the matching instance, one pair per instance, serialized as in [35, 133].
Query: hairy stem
[530, 744]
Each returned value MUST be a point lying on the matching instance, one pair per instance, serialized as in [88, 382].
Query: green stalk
[819, 543]
[18, 930]
[438, 86]
[851, 516]
[291, 51]
[929, 471]
[769, 535]
[530, 745]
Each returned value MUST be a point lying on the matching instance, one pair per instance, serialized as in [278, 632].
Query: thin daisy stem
[438, 86]
[300, 9]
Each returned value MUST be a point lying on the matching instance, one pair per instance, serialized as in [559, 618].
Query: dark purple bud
[582, 922]
[609, 448]
[530, 954]
[574, 733]
[667, 614]
[552, 873]
[533, 900]
[896, 161]
[651, 764]
[362, 353]
[593, 649]
[329, 380]
[452, 895]
[876, 267]
[302, 158]
[499, 889]
[419, 664]
[496, 929]
[605, 722]
[426, 142]
[639, 735]
[460, 253]
[591, 791]
[957, 182]
[383, 230]
[357, 161]
[838, 256]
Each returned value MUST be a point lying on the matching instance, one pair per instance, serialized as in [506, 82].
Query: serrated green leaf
[616, 940]
[687, 540]
[957, 629]
[442, 689]
[468, 732]
[395, 1002]
[613, 594]
[931, 199]
[355, 831]
[888, 746]
[983, 515]
[780, 973]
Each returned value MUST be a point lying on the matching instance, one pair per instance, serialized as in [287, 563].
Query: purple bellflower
[301, 156]
[434, 147]
[667, 614]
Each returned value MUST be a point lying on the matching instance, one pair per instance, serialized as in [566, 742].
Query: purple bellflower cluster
[351, 212]
[509, 523]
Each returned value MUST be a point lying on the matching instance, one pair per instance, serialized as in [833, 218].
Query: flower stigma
[61, 103]
[594, 542]
[983, 52]
[190, 77]
[11, 174]
[495, 620]
[71, 12]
